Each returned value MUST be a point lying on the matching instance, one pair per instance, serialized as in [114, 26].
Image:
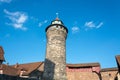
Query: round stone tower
[55, 62]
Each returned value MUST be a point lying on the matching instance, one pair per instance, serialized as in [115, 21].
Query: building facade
[86, 71]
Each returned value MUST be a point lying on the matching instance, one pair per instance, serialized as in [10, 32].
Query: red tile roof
[8, 70]
[29, 67]
[109, 69]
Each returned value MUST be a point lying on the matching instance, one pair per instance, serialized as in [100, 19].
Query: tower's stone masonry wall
[52, 32]
[55, 62]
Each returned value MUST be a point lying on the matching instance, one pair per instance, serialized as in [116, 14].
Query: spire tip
[57, 16]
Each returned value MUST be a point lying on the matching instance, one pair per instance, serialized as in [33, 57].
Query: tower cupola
[57, 24]
[57, 21]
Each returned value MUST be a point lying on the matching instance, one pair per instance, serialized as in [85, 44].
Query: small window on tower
[58, 26]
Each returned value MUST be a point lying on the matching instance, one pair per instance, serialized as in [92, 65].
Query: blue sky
[94, 29]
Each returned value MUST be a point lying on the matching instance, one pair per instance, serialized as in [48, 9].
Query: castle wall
[84, 73]
[109, 75]
[82, 76]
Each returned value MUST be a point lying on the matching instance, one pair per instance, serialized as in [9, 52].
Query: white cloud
[5, 1]
[91, 24]
[75, 29]
[99, 25]
[17, 19]
[42, 23]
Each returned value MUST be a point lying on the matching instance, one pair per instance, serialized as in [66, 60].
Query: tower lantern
[55, 61]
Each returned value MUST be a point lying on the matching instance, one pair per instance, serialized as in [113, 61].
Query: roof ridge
[84, 63]
[27, 63]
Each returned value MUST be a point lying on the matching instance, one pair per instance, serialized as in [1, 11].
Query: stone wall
[109, 75]
[82, 76]
[84, 73]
